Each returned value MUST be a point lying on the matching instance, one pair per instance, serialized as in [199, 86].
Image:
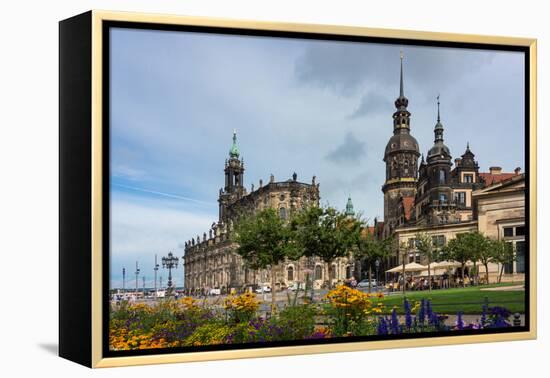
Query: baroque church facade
[429, 194]
[211, 261]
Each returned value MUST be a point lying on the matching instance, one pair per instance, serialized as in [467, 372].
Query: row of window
[438, 241]
[513, 231]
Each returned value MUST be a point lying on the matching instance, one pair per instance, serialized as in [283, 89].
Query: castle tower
[401, 158]
[234, 178]
[438, 174]
[349, 208]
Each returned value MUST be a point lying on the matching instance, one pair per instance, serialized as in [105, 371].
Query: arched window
[290, 273]
[406, 167]
[348, 271]
[282, 213]
[318, 272]
[333, 272]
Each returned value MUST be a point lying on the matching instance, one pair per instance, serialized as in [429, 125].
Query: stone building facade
[211, 261]
[444, 198]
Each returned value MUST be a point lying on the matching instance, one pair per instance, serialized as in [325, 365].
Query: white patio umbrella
[410, 267]
[445, 265]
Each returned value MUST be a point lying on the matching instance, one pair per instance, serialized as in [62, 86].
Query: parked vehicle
[365, 283]
[297, 286]
[263, 289]
[215, 291]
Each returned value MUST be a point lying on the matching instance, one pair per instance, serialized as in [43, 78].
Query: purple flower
[500, 312]
[394, 323]
[316, 335]
[422, 312]
[408, 317]
[429, 311]
[382, 326]
[500, 322]
[459, 321]
[484, 316]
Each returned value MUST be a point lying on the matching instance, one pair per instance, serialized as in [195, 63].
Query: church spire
[438, 130]
[349, 208]
[234, 151]
[401, 91]
[438, 117]
[401, 117]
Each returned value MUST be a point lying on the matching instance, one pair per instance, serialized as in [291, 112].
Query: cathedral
[211, 261]
[429, 194]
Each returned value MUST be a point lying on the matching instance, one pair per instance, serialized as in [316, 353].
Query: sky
[320, 108]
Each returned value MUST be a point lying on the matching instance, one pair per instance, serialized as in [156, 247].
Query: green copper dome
[349, 208]
[234, 151]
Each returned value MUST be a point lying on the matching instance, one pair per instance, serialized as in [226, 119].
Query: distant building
[211, 261]
[433, 197]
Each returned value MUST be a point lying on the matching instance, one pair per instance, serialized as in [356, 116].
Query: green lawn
[468, 300]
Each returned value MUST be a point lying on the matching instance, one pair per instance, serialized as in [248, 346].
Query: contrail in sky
[162, 194]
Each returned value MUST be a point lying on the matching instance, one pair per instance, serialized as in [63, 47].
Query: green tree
[459, 249]
[426, 247]
[503, 253]
[325, 232]
[264, 240]
[483, 251]
[480, 251]
[403, 251]
[369, 249]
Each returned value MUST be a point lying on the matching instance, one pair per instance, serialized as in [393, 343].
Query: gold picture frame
[87, 32]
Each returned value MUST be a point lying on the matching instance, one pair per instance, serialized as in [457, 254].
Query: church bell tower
[234, 178]
[401, 158]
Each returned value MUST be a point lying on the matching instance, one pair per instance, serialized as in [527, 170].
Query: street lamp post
[156, 268]
[169, 262]
[377, 265]
[311, 268]
[123, 280]
[137, 276]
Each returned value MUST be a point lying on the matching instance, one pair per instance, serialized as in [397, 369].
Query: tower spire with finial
[401, 118]
[234, 151]
[349, 207]
[438, 130]
[438, 117]
[401, 91]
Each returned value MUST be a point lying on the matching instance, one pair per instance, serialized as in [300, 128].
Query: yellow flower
[355, 301]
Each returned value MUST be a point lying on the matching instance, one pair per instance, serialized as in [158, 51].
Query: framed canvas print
[235, 189]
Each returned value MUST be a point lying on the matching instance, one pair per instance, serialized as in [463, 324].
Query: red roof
[369, 230]
[408, 204]
[491, 178]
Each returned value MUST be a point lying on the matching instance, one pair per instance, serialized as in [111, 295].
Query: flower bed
[345, 312]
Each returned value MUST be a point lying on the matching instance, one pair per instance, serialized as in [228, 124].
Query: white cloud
[142, 227]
